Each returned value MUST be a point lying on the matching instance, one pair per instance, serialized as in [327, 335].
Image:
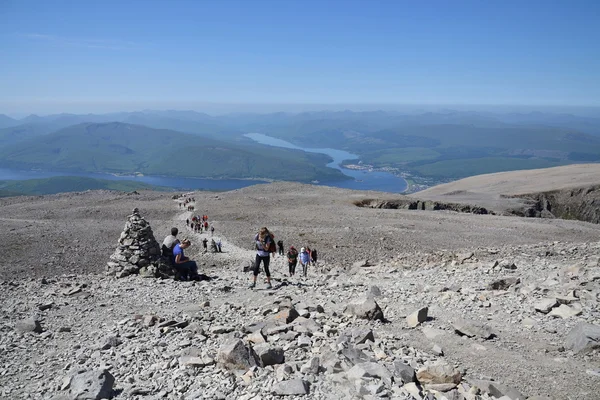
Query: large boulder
[365, 308]
[29, 325]
[268, 355]
[440, 372]
[472, 328]
[234, 355]
[92, 385]
[583, 338]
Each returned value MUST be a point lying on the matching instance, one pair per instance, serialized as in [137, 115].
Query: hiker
[304, 261]
[280, 246]
[205, 244]
[212, 230]
[188, 269]
[213, 246]
[313, 256]
[264, 246]
[170, 242]
[187, 222]
[292, 256]
[219, 245]
[206, 226]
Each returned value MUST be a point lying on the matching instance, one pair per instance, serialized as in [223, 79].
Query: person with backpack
[292, 256]
[304, 260]
[265, 245]
[280, 246]
[205, 244]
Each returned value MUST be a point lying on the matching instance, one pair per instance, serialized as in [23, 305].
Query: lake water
[171, 182]
[362, 179]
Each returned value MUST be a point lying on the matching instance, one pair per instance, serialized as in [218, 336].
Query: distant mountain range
[437, 146]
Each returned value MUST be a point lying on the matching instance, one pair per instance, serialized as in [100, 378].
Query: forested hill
[116, 147]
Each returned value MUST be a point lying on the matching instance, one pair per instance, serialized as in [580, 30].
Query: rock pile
[137, 252]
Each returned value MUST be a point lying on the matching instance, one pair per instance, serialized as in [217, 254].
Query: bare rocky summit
[404, 304]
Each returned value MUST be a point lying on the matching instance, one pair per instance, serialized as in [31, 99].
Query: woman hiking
[265, 245]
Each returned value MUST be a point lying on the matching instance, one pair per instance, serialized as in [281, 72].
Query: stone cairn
[138, 251]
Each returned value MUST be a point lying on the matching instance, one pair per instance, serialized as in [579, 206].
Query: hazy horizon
[215, 109]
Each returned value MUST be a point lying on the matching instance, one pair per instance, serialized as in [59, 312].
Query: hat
[292, 248]
[302, 249]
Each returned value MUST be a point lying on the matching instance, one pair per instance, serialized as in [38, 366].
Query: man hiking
[292, 256]
[264, 244]
[304, 261]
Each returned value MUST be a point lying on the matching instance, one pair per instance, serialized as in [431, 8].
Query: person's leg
[290, 268]
[266, 261]
[304, 269]
[255, 271]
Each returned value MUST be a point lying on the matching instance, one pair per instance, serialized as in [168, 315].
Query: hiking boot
[252, 285]
[269, 286]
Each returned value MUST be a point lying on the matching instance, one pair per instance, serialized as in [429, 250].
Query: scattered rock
[417, 317]
[440, 372]
[472, 328]
[235, 355]
[583, 338]
[92, 385]
[365, 308]
[545, 305]
[503, 284]
[29, 325]
[292, 387]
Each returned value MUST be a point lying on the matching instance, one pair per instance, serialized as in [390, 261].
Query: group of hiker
[199, 224]
[265, 245]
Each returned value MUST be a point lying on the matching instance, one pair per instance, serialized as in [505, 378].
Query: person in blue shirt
[304, 260]
[188, 269]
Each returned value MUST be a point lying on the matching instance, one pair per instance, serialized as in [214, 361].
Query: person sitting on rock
[187, 269]
[304, 260]
[170, 242]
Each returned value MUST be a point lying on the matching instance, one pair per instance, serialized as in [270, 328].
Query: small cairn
[138, 251]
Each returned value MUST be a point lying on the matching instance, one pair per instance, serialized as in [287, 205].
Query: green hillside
[62, 184]
[124, 148]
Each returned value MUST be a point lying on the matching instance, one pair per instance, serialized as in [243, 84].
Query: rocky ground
[404, 304]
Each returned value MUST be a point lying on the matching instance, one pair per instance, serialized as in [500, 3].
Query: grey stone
[440, 372]
[404, 371]
[417, 317]
[92, 385]
[471, 329]
[292, 387]
[365, 308]
[370, 370]
[583, 338]
[545, 305]
[375, 291]
[268, 355]
[497, 389]
[564, 311]
[503, 284]
[29, 325]
[362, 335]
[109, 342]
[234, 355]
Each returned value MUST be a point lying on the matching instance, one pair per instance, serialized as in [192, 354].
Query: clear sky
[104, 55]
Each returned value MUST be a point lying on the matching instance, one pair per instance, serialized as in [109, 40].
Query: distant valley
[425, 149]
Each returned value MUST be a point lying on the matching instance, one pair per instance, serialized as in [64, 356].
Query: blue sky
[99, 56]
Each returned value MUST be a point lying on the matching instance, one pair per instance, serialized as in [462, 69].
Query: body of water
[362, 179]
[172, 182]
